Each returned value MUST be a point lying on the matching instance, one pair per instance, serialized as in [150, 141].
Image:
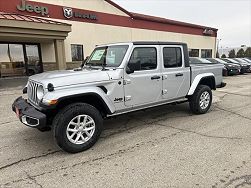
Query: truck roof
[157, 43]
[144, 43]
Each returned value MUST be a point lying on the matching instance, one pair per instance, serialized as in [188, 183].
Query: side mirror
[132, 66]
[129, 70]
[83, 63]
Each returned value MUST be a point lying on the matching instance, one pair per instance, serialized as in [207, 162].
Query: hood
[70, 77]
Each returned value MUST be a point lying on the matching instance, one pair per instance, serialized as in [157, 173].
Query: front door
[143, 86]
[176, 77]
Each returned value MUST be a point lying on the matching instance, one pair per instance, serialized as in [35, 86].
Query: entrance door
[144, 85]
[33, 61]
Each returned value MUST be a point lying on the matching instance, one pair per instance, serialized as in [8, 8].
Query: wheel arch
[93, 99]
[207, 79]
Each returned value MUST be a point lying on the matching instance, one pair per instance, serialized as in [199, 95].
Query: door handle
[179, 74]
[155, 77]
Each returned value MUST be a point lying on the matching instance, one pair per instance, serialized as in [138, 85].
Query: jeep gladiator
[116, 79]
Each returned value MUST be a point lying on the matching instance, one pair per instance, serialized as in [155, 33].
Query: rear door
[176, 77]
[144, 85]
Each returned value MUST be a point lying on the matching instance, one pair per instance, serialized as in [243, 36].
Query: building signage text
[33, 8]
[69, 13]
[208, 32]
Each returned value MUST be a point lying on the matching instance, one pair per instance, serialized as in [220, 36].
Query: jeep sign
[33, 8]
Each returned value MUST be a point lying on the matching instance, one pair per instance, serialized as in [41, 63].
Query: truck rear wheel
[201, 100]
[77, 127]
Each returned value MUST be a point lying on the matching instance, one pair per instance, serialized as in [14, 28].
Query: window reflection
[33, 60]
[15, 62]
[12, 60]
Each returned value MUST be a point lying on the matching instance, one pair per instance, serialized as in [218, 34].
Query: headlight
[40, 92]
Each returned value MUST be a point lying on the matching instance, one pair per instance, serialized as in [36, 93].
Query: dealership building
[43, 35]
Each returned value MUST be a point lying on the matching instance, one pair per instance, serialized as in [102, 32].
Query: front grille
[32, 92]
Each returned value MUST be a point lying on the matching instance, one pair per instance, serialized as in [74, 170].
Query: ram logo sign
[68, 13]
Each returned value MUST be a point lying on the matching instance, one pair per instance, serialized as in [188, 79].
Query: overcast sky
[231, 17]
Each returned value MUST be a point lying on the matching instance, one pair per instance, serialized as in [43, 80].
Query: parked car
[247, 60]
[197, 60]
[116, 79]
[229, 68]
[241, 60]
[245, 67]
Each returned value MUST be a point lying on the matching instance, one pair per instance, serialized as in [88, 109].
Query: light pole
[218, 44]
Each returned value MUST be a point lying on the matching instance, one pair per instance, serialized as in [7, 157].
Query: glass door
[33, 61]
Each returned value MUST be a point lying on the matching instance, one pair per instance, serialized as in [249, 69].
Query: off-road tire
[62, 120]
[194, 101]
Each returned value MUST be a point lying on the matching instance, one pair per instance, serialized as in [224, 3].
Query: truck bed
[200, 68]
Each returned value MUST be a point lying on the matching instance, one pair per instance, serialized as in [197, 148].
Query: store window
[206, 53]
[19, 60]
[172, 57]
[194, 52]
[77, 52]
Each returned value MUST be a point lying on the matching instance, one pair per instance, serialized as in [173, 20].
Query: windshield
[198, 60]
[239, 60]
[205, 61]
[226, 60]
[212, 60]
[194, 60]
[108, 56]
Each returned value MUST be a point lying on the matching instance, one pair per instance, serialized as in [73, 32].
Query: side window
[143, 58]
[172, 57]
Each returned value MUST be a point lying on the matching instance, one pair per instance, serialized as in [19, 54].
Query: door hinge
[164, 77]
[128, 98]
[127, 81]
[164, 91]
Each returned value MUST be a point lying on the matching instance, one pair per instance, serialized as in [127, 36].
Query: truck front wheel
[77, 127]
[201, 100]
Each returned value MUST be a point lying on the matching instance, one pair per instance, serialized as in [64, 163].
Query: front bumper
[232, 71]
[28, 115]
[245, 70]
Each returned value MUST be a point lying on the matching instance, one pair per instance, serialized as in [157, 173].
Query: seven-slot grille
[32, 92]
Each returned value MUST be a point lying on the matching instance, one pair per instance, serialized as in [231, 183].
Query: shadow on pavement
[7, 83]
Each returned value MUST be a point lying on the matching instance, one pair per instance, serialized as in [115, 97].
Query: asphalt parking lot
[162, 147]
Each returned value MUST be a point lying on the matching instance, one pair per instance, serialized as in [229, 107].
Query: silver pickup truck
[115, 79]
